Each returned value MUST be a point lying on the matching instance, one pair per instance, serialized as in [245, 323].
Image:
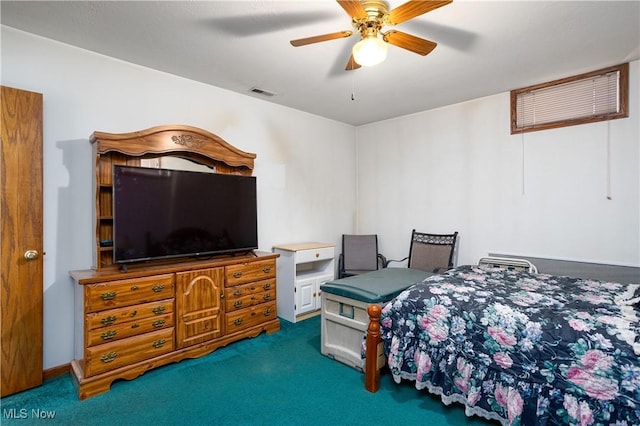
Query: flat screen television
[162, 214]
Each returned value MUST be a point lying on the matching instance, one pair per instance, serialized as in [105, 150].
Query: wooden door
[199, 306]
[21, 250]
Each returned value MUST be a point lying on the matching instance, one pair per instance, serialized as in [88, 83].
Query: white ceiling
[484, 47]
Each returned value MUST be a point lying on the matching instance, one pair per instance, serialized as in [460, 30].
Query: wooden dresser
[130, 320]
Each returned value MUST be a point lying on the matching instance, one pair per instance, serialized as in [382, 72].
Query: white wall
[299, 200]
[540, 194]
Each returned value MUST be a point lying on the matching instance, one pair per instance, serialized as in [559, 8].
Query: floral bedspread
[521, 348]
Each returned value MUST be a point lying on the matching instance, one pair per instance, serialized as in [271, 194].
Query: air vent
[262, 92]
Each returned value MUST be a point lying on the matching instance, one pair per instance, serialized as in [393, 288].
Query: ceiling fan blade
[352, 64]
[410, 42]
[413, 8]
[353, 8]
[317, 39]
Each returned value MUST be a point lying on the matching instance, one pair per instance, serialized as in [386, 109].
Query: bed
[514, 346]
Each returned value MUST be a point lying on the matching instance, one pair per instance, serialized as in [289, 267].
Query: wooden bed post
[371, 370]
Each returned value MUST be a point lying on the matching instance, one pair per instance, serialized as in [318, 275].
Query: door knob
[31, 254]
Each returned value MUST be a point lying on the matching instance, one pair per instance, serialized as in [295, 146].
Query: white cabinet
[301, 269]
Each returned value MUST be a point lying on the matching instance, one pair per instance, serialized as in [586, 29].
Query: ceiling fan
[368, 17]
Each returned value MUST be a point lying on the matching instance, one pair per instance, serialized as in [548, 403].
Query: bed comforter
[521, 348]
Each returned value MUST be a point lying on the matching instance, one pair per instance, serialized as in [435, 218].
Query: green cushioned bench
[344, 308]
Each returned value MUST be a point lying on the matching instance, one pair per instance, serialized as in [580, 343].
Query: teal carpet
[277, 379]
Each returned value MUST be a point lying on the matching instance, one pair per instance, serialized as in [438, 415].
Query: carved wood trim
[179, 140]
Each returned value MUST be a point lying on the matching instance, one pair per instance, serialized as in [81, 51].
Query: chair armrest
[382, 261]
[387, 262]
[440, 270]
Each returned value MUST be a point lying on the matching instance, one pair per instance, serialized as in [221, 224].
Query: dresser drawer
[119, 293]
[249, 317]
[243, 296]
[313, 255]
[117, 316]
[250, 271]
[128, 329]
[110, 356]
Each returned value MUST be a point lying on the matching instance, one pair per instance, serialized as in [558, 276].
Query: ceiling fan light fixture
[370, 51]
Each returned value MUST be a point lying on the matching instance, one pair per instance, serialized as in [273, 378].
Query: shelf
[313, 273]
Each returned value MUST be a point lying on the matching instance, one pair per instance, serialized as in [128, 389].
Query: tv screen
[162, 213]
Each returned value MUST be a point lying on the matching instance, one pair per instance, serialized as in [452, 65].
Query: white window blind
[591, 97]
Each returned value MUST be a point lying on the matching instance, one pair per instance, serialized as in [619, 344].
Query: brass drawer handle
[158, 310]
[266, 286]
[158, 323]
[158, 288]
[108, 357]
[267, 312]
[135, 325]
[267, 296]
[109, 295]
[134, 287]
[237, 304]
[133, 314]
[238, 321]
[266, 269]
[237, 293]
[108, 320]
[159, 343]
[108, 335]
[237, 274]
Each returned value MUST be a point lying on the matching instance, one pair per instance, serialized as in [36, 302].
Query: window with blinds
[586, 98]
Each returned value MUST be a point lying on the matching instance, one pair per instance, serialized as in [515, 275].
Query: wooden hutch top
[182, 141]
[177, 140]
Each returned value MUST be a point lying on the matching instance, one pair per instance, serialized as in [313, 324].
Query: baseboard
[309, 315]
[58, 371]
